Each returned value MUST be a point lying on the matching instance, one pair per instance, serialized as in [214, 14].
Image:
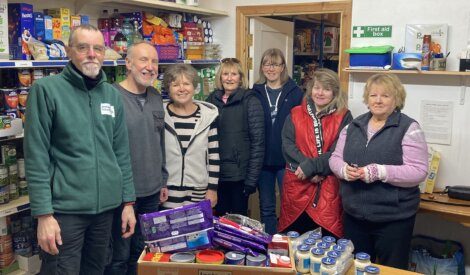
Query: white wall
[455, 162]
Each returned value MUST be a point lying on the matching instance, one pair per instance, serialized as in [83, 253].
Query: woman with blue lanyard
[278, 94]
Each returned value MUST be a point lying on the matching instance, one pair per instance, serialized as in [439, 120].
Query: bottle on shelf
[116, 24]
[136, 35]
[104, 26]
[127, 31]
[120, 43]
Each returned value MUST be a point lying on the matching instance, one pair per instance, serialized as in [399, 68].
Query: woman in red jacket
[310, 196]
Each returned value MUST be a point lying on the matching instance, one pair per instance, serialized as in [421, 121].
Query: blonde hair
[391, 83]
[329, 80]
[229, 64]
[273, 55]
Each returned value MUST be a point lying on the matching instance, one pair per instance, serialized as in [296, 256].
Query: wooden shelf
[155, 4]
[14, 206]
[371, 71]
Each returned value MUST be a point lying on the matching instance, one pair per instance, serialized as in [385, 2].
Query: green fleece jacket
[76, 146]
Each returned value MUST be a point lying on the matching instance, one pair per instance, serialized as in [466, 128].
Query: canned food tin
[182, 257]
[38, 74]
[209, 256]
[14, 193]
[23, 188]
[21, 171]
[10, 99]
[259, 260]
[24, 77]
[8, 154]
[13, 173]
[234, 258]
[5, 194]
[4, 179]
[22, 96]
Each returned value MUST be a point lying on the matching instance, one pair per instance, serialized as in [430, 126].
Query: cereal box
[20, 29]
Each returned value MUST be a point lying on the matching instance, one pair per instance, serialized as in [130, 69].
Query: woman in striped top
[191, 143]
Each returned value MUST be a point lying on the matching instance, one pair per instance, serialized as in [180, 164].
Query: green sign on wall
[372, 31]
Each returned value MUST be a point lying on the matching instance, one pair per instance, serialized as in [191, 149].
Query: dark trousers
[267, 196]
[304, 224]
[230, 198]
[388, 243]
[85, 241]
[126, 252]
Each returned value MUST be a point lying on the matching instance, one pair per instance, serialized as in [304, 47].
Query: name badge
[107, 109]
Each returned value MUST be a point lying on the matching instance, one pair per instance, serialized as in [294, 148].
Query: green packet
[371, 49]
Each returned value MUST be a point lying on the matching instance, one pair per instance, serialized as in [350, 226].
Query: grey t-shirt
[146, 127]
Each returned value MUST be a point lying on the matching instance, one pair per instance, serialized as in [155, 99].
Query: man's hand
[212, 196]
[163, 194]
[49, 234]
[128, 221]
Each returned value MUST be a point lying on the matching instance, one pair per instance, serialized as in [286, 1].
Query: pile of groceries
[191, 234]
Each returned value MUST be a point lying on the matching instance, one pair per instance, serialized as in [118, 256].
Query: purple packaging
[240, 241]
[20, 29]
[233, 246]
[39, 28]
[259, 237]
[84, 19]
[178, 221]
[48, 28]
[192, 241]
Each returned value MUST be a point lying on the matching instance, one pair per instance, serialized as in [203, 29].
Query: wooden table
[431, 203]
[385, 270]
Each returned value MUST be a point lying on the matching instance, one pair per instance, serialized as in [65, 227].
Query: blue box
[84, 20]
[20, 29]
[48, 35]
[370, 59]
[39, 30]
[406, 61]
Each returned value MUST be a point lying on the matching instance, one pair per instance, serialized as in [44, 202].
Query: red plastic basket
[167, 52]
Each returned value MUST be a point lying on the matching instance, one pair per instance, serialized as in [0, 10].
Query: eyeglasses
[230, 59]
[85, 48]
[273, 65]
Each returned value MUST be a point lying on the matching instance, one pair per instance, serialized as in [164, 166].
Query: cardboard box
[406, 61]
[4, 51]
[39, 29]
[414, 37]
[152, 268]
[64, 15]
[75, 21]
[31, 264]
[84, 20]
[56, 29]
[48, 34]
[331, 40]
[20, 27]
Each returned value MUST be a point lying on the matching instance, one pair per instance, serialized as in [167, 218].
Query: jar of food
[328, 266]
[316, 254]
[302, 259]
[372, 270]
[362, 260]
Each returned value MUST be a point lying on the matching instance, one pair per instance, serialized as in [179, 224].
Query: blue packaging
[39, 29]
[20, 29]
[84, 19]
[48, 28]
[406, 61]
[372, 60]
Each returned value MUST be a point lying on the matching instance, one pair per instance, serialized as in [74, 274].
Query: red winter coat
[298, 195]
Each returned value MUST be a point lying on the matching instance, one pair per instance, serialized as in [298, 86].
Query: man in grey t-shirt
[145, 123]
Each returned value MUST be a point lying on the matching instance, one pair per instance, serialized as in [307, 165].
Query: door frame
[243, 13]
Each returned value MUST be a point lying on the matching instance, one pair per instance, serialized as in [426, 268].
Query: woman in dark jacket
[241, 138]
[278, 95]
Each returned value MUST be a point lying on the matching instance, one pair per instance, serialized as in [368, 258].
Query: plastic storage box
[373, 56]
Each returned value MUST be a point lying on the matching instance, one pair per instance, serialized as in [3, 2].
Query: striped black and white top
[184, 128]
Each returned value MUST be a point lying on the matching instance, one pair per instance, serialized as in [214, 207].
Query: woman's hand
[212, 196]
[352, 173]
[300, 174]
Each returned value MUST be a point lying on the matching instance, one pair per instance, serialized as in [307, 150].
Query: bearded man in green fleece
[77, 160]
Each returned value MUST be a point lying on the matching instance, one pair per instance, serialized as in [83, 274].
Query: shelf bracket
[463, 89]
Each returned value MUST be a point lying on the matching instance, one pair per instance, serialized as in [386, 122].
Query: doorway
[245, 13]
[341, 9]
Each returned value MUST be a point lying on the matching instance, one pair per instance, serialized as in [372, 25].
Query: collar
[71, 73]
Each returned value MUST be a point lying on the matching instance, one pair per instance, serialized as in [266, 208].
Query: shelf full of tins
[108, 63]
